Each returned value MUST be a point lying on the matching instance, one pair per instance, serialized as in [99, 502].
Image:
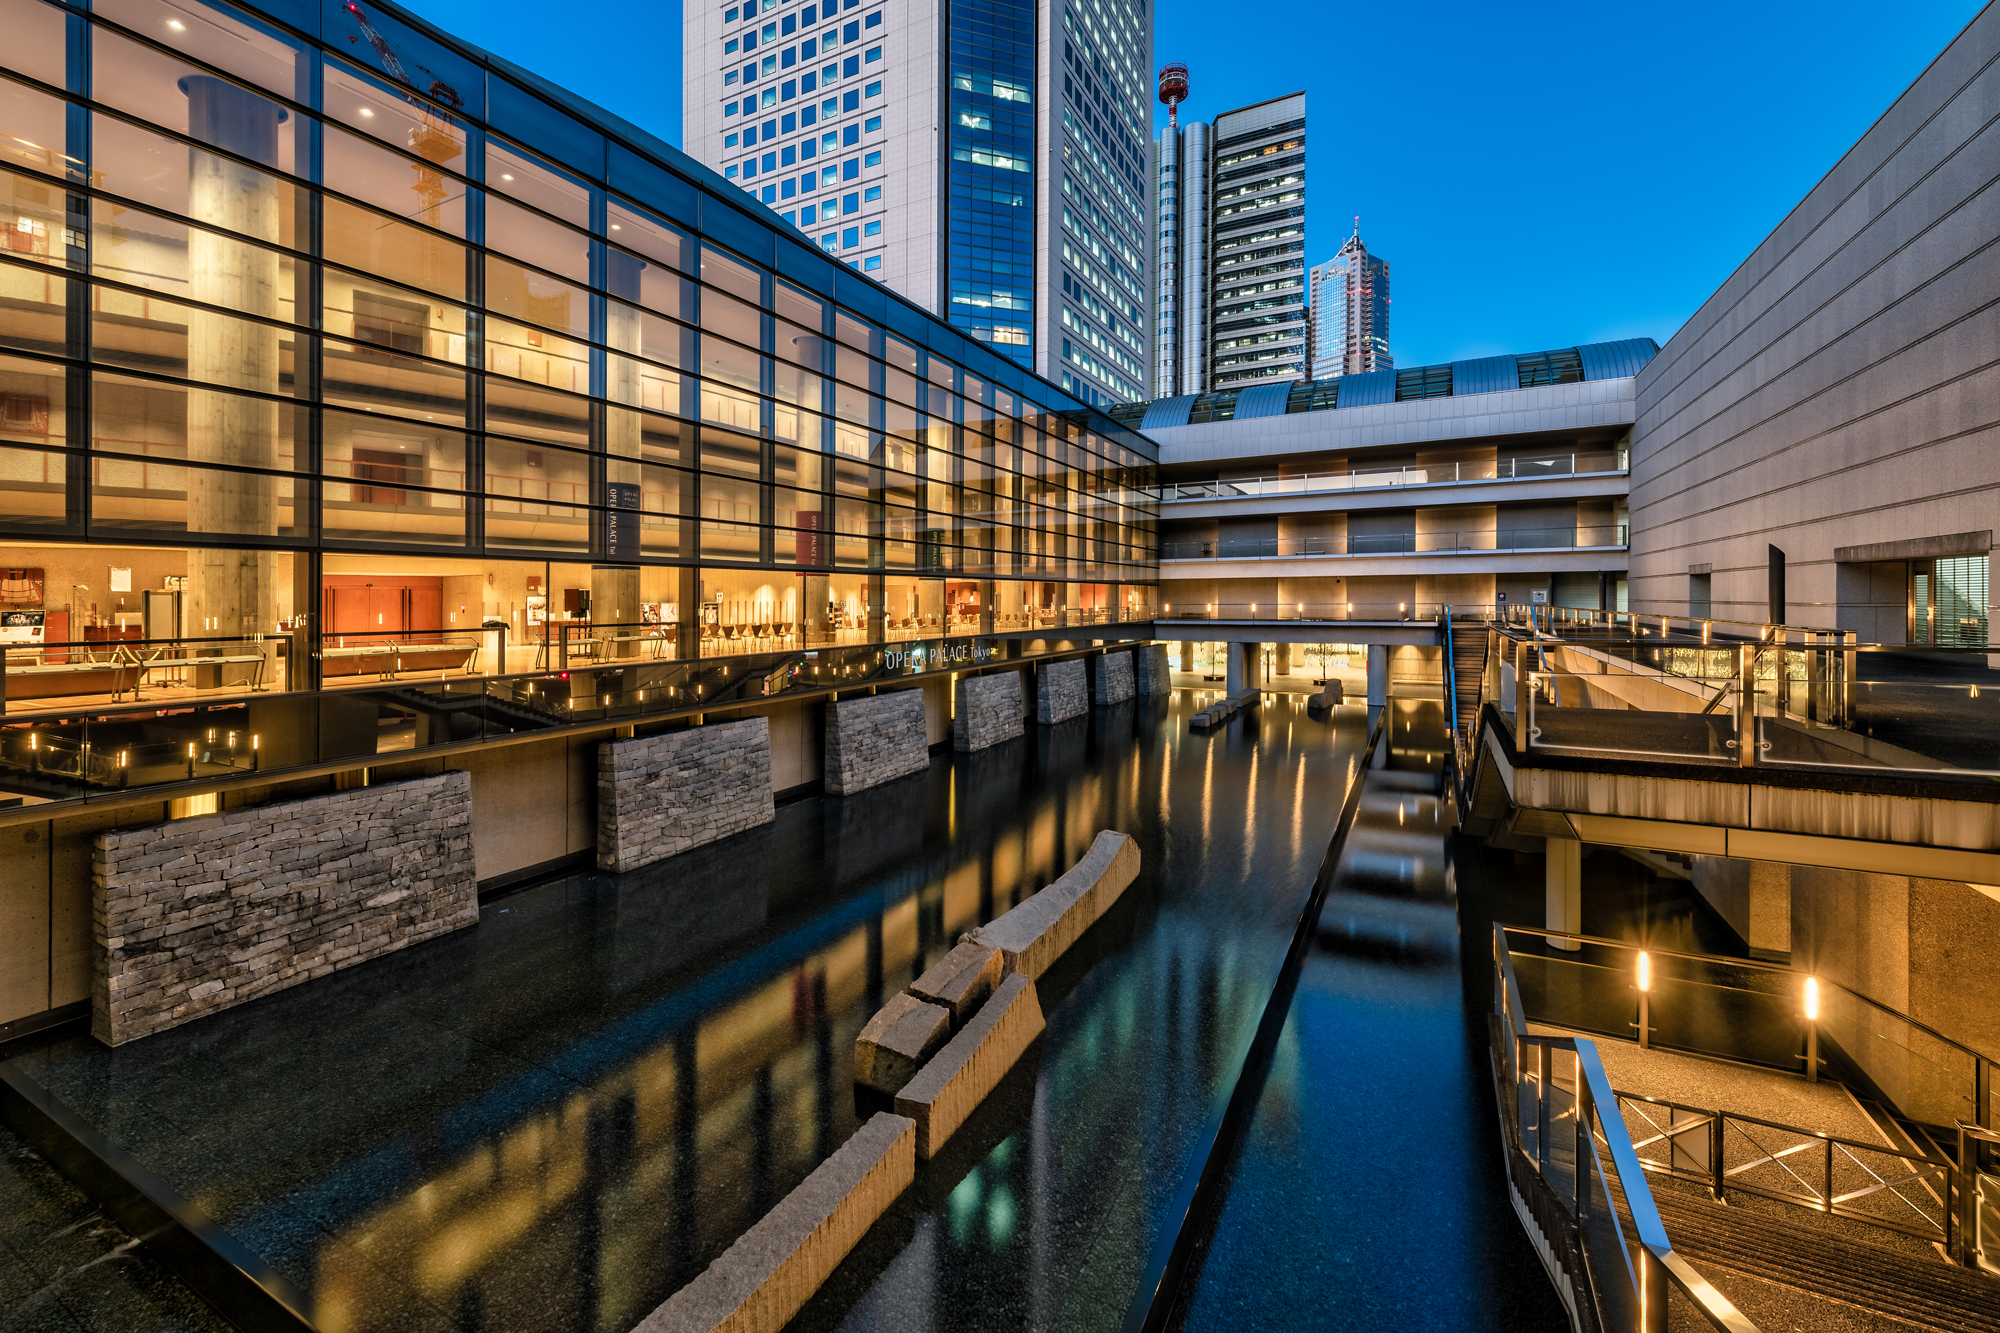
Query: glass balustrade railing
[406, 704]
[1405, 543]
[1367, 478]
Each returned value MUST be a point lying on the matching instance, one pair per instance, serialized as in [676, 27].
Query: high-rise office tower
[1350, 313]
[1021, 219]
[1229, 307]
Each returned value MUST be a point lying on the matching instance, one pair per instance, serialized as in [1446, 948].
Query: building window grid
[471, 370]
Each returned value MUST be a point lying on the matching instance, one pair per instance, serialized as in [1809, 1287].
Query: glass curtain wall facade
[990, 174]
[1103, 209]
[326, 367]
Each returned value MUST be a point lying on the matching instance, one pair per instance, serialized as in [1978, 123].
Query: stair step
[1818, 1263]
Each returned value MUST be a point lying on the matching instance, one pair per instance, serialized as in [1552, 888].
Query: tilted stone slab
[894, 1044]
[658, 796]
[194, 916]
[1155, 672]
[948, 1089]
[961, 980]
[989, 709]
[1062, 691]
[876, 740]
[775, 1267]
[1115, 680]
[1040, 930]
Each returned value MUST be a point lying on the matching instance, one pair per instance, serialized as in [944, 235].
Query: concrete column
[1564, 883]
[1284, 651]
[986, 606]
[232, 592]
[614, 589]
[1240, 674]
[1186, 656]
[1378, 675]
[812, 615]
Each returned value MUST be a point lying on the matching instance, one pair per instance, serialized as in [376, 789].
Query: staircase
[1888, 1283]
[1468, 662]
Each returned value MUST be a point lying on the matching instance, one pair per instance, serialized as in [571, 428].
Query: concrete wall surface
[198, 915]
[989, 710]
[1837, 391]
[875, 740]
[1062, 691]
[658, 796]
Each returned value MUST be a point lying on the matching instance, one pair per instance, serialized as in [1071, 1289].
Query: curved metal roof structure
[1487, 374]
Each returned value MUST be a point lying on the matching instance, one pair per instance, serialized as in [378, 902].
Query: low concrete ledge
[1217, 714]
[946, 1092]
[961, 980]
[897, 1040]
[776, 1266]
[1334, 693]
[1040, 930]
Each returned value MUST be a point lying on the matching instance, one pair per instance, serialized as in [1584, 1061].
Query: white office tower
[1229, 296]
[1350, 313]
[986, 160]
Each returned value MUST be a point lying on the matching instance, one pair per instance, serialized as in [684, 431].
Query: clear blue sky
[1537, 175]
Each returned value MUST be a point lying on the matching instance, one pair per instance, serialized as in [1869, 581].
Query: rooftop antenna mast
[1173, 91]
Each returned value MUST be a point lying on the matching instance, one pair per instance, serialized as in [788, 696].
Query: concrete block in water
[1116, 681]
[961, 980]
[774, 1268]
[948, 1089]
[1040, 930]
[897, 1040]
[989, 710]
[1062, 691]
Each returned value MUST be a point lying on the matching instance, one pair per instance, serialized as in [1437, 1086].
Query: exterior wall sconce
[1812, 1029]
[1645, 1000]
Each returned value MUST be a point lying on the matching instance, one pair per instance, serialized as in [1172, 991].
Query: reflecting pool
[556, 1118]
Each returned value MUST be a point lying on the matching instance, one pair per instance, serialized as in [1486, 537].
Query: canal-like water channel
[553, 1120]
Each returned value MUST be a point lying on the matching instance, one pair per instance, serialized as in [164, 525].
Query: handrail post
[1746, 706]
[1581, 1153]
[1717, 1179]
[1826, 1199]
[1652, 1277]
[1542, 1061]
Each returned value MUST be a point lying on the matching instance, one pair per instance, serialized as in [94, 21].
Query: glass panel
[536, 298]
[183, 98]
[35, 41]
[514, 231]
[730, 407]
[639, 384]
[214, 35]
[412, 124]
[397, 318]
[363, 239]
[138, 332]
[749, 611]
[535, 473]
[366, 376]
[431, 68]
[33, 301]
[734, 454]
[33, 482]
[656, 240]
[407, 187]
[731, 275]
[540, 358]
[172, 176]
[157, 420]
[534, 526]
[534, 183]
[141, 495]
[32, 223]
[537, 414]
[728, 541]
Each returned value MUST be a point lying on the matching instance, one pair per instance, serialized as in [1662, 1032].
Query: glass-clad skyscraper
[334, 352]
[1350, 313]
[1021, 219]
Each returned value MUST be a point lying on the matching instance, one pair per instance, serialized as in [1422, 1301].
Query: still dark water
[553, 1120]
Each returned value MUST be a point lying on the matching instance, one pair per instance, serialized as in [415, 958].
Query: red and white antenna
[1173, 91]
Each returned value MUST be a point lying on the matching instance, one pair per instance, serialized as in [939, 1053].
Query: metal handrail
[1657, 1263]
[1434, 474]
[1751, 964]
[1718, 1174]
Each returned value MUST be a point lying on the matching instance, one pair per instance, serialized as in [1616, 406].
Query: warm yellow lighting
[177, 25]
[366, 112]
[1812, 999]
[1645, 971]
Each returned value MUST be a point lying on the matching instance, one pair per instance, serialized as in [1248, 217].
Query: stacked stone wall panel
[194, 916]
[658, 796]
[1116, 682]
[877, 740]
[1062, 691]
[1154, 669]
[990, 710]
